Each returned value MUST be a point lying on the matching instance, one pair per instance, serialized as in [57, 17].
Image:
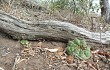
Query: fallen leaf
[39, 44]
[63, 57]
[94, 52]
[1, 68]
[51, 50]
[32, 52]
[69, 59]
[60, 53]
[103, 53]
[91, 65]
[60, 49]
[109, 60]
[28, 52]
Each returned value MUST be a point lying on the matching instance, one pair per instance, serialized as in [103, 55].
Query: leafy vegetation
[75, 6]
[79, 48]
[59, 4]
[25, 43]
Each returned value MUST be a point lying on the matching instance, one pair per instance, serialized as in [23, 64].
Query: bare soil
[10, 49]
[12, 58]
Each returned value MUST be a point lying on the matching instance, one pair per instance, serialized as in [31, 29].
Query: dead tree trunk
[105, 10]
[52, 30]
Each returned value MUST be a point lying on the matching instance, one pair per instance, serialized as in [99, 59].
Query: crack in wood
[49, 29]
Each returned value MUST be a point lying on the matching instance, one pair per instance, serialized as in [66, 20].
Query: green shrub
[25, 43]
[79, 48]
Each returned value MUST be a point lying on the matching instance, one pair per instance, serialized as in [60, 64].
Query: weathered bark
[53, 30]
[105, 10]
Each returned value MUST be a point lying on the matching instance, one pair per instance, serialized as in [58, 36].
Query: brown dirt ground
[40, 59]
[9, 50]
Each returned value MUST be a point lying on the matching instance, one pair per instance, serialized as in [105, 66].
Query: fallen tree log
[49, 29]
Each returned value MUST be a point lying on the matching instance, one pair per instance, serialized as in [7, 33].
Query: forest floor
[49, 55]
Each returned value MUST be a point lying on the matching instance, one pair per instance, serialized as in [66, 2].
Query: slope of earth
[10, 52]
[43, 56]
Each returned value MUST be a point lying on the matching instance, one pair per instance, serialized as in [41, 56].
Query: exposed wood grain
[52, 30]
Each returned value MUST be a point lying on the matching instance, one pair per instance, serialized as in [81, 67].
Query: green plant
[59, 4]
[79, 48]
[25, 43]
